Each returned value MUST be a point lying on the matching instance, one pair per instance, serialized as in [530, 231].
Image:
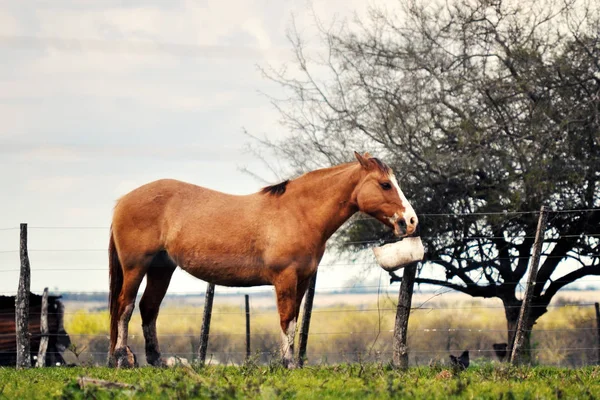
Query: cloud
[14, 119]
[53, 154]
[9, 24]
[52, 184]
[256, 28]
[47, 154]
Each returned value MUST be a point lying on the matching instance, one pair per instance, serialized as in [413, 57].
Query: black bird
[461, 362]
[501, 350]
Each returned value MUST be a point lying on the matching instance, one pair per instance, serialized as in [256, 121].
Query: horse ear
[367, 155]
[364, 161]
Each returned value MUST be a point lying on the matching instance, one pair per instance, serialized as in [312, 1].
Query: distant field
[349, 328]
[356, 299]
[347, 381]
[352, 299]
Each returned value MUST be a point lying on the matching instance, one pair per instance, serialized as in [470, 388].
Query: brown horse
[274, 237]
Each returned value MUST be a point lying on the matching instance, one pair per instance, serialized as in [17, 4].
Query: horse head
[378, 195]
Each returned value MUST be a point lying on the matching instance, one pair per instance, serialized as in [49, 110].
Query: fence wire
[571, 345]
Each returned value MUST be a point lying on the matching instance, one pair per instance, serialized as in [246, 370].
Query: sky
[100, 97]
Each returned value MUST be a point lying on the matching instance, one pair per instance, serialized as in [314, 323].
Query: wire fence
[566, 335]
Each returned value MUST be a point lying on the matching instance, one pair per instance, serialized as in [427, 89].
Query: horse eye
[385, 185]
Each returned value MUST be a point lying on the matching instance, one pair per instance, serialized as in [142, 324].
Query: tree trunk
[511, 310]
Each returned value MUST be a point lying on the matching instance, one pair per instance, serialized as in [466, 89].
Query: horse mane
[275, 190]
[280, 188]
[383, 167]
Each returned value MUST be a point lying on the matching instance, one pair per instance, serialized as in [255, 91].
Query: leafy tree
[486, 110]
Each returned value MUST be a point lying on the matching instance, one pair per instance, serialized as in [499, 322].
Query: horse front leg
[285, 290]
[157, 282]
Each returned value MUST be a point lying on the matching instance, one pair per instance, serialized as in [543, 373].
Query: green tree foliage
[486, 110]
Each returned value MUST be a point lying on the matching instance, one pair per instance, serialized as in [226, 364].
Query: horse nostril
[413, 220]
[402, 223]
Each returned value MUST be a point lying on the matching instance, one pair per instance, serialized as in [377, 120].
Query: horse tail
[116, 283]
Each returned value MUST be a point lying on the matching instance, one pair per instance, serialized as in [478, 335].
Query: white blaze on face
[409, 212]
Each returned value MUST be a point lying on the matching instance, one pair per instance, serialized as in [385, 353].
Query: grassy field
[347, 381]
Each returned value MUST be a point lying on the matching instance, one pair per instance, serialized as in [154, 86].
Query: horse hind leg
[158, 278]
[123, 357]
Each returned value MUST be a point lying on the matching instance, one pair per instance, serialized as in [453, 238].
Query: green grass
[347, 381]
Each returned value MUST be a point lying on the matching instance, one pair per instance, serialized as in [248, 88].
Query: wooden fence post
[208, 303]
[306, 315]
[524, 325]
[400, 348]
[22, 305]
[598, 329]
[41, 358]
[247, 300]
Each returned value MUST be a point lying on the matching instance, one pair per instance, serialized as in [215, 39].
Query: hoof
[289, 364]
[155, 360]
[159, 363]
[123, 358]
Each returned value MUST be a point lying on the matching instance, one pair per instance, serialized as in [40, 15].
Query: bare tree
[485, 109]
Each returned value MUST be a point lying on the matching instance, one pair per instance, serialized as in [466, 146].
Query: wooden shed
[58, 339]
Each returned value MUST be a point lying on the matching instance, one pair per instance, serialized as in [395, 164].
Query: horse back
[177, 216]
[218, 237]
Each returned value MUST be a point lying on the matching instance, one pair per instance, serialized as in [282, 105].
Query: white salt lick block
[396, 255]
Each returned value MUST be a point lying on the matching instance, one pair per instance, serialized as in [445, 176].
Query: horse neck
[326, 197]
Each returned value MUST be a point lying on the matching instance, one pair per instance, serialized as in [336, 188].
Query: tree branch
[571, 277]
[473, 290]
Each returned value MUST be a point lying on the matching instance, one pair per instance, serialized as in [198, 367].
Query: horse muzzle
[406, 226]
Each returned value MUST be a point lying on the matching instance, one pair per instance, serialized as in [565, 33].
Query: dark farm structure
[58, 339]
